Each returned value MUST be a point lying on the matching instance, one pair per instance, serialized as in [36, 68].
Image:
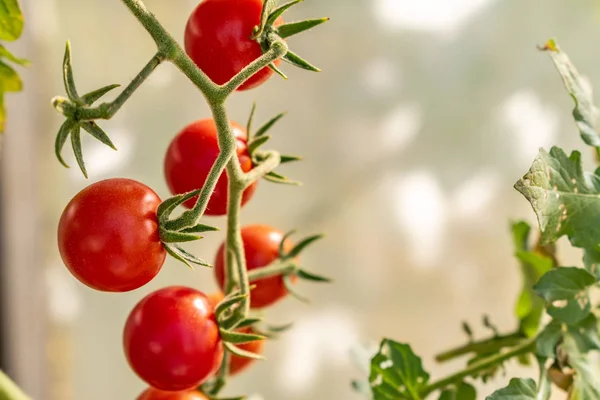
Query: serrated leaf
[11, 20]
[61, 139]
[304, 243]
[563, 283]
[585, 112]
[517, 389]
[309, 276]
[91, 97]
[93, 129]
[4, 52]
[397, 372]
[299, 62]
[239, 337]
[278, 12]
[242, 353]
[294, 28]
[267, 126]
[571, 312]
[565, 200]
[548, 339]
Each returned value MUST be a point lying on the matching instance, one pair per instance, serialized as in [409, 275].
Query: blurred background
[426, 114]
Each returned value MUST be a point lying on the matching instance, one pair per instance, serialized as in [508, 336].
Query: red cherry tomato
[155, 394]
[192, 154]
[171, 339]
[108, 235]
[217, 39]
[261, 246]
[239, 364]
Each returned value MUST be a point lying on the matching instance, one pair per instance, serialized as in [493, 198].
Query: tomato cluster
[110, 236]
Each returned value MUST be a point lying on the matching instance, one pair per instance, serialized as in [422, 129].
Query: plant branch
[526, 347]
[276, 268]
[271, 161]
[9, 390]
[490, 345]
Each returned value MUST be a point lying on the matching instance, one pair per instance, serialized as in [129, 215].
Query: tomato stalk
[490, 345]
[9, 390]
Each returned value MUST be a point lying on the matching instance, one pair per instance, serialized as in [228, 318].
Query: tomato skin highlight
[261, 246]
[217, 39]
[108, 235]
[155, 394]
[190, 157]
[171, 339]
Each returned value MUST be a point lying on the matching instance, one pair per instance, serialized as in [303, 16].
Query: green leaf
[571, 312]
[299, 62]
[397, 373]
[548, 339]
[463, 391]
[586, 385]
[9, 79]
[517, 389]
[11, 20]
[585, 334]
[563, 283]
[4, 52]
[294, 28]
[585, 112]
[564, 198]
[591, 260]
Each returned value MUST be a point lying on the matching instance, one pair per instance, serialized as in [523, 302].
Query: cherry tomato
[108, 235]
[192, 154]
[261, 246]
[171, 339]
[155, 394]
[239, 364]
[217, 39]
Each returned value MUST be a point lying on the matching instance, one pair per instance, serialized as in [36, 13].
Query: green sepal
[93, 129]
[4, 52]
[249, 322]
[91, 97]
[233, 349]
[274, 177]
[187, 258]
[256, 143]
[76, 143]
[251, 118]
[265, 128]
[239, 337]
[286, 236]
[309, 276]
[201, 228]
[68, 78]
[287, 282]
[294, 28]
[303, 245]
[168, 206]
[288, 158]
[299, 62]
[466, 328]
[61, 139]
[228, 302]
[278, 12]
[228, 398]
[272, 332]
[278, 71]
[268, 7]
[167, 236]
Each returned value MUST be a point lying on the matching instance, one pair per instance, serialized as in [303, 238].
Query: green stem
[526, 347]
[490, 345]
[271, 161]
[9, 390]
[277, 268]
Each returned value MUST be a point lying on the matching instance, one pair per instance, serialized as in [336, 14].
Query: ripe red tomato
[108, 235]
[261, 246]
[192, 154]
[217, 39]
[171, 339]
[155, 394]
[239, 364]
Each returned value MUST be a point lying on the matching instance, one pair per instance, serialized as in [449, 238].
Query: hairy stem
[271, 161]
[526, 347]
[9, 390]
[488, 345]
[276, 268]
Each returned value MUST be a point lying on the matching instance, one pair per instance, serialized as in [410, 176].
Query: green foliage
[520, 389]
[462, 391]
[11, 27]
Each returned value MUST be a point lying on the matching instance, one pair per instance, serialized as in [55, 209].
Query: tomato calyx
[71, 108]
[257, 139]
[172, 236]
[269, 32]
